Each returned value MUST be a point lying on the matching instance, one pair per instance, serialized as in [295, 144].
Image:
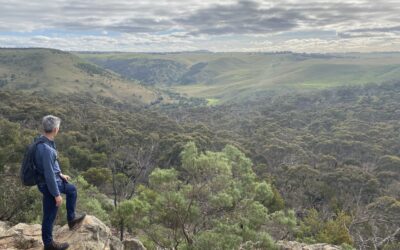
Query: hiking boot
[73, 223]
[56, 246]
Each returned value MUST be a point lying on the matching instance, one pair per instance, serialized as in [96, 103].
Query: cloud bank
[174, 25]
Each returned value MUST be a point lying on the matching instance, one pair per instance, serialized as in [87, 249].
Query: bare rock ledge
[92, 235]
[294, 245]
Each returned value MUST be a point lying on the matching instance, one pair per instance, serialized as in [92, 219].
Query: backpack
[28, 174]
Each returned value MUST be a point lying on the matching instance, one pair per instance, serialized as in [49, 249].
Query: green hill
[54, 71]
[236, 76]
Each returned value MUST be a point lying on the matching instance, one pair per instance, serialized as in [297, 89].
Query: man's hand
[65, 177]
[58, 200]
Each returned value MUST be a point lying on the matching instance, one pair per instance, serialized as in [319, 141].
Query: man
[51, 183]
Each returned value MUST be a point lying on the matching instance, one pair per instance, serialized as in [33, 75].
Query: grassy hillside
[235, 76]
[54, 71]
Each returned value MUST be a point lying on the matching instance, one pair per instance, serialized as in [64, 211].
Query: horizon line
[202, 51]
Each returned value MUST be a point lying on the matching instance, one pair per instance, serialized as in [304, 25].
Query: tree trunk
[121, 229]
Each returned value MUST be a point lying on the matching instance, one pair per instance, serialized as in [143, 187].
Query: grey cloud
[242, 18]
[369, 32]
[143, 24]
[132, 25]
[246, 17]
[383, 29]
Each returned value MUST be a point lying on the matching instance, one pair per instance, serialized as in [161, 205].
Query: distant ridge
[236, 76]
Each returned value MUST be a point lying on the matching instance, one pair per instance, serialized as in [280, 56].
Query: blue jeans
[50, 209]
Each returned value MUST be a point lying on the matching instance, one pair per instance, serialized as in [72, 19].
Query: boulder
[91, 235]
[294, 245]
[133, 244]
[3, 227]
[21, 236]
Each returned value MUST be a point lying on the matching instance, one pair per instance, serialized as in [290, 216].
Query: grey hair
[49, 122]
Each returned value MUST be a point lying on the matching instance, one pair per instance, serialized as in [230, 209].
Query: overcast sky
[224, 25]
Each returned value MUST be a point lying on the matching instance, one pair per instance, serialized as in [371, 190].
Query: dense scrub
[334, 156]
[331, 156]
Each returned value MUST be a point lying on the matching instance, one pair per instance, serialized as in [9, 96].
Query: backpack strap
[39, 176]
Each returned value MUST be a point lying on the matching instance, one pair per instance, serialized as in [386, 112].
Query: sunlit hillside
[55, 71]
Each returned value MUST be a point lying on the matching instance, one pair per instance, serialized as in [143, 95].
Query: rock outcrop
[95, 235]
[294, 245]
[92, 235]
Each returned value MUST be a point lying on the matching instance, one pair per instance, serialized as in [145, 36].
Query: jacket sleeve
[48, 172]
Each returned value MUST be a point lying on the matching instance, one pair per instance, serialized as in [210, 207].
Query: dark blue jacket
[46, 162]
